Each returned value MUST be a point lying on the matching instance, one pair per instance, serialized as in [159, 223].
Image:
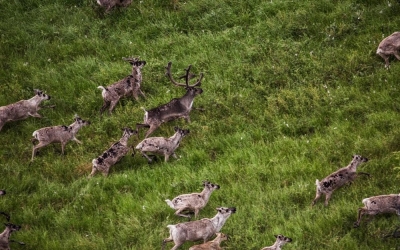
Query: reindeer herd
[185, 204]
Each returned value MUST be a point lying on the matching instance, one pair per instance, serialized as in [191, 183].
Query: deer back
[54, 134]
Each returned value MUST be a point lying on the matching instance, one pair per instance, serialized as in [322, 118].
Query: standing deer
[177, 107]
[22, 109]
[129, 86]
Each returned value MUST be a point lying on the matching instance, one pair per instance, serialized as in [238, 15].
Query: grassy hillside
[292, 89]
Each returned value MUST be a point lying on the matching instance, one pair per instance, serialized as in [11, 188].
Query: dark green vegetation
[292, 89]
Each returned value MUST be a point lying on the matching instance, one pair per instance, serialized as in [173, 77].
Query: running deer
[112, 155]
[212, 245]
[109, 4]
[177, 107]
[389, 46]
[57, 134]
[381, 204]
[129, 86]
[197, 230]
[22, 109]
[161, 145]
[338, 179]
[279, 242]
[192, 202]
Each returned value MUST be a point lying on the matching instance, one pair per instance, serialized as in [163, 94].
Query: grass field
[292, 89]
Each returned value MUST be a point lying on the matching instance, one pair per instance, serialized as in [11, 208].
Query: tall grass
[292, 90]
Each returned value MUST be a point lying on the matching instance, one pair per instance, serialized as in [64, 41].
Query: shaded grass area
[292, 90]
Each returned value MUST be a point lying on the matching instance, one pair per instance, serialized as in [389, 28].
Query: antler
[187, 77]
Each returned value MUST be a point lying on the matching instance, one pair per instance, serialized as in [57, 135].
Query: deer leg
[396, 54]
[317, 196]
[177, 245]
[78, 141]
[146, 156]
[19, 242]
[141, 92]
[361, 212]
[1, 124]
[112, 106]
[105, 105]
[35, 115]
[364, 173]
[140, 125]
[196, 212]
[62, 147]
[105, 172]
[169, 239]
[36, 148]
[386, 58]
[151, 130]
[178, 213]
[94, 170]
[135, 95]
[187, 119]
[166, 157]
[327, 198]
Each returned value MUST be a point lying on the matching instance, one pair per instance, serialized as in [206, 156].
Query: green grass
[292, 89]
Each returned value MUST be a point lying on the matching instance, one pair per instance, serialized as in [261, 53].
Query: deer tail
[170, 204]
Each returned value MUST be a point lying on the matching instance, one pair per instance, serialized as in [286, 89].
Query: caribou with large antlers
[177, 107]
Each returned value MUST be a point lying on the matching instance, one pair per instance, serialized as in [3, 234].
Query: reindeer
[338, 179]
[109, 4]
[161, 145]
[389, 46]
[280, 241]
[176, 108]
[22, 109]
[129, 86]
[381, 204]
[202, 229]
[57, 134]
[192, 202]
[113, 154]
[5, 235]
